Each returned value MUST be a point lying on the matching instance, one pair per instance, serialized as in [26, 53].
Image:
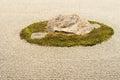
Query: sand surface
[20, 60]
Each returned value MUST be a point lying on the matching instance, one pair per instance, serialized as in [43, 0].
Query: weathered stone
[70, 23]
[38, 35]
[96, 26]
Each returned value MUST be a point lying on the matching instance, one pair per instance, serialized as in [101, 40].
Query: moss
[62, 40]
[25, 33]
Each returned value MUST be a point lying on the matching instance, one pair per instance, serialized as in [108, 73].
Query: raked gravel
[20, 60]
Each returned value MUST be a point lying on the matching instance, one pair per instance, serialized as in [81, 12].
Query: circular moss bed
[61, 39]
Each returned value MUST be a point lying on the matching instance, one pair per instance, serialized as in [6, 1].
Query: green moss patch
[61, 39]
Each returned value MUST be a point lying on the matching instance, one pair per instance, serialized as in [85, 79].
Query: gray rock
[38, 35]
[70, 23]
[96, 26]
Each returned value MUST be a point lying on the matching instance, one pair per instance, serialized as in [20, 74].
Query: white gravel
[20, 60]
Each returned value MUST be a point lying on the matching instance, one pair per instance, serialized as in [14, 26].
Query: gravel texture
[20, 60]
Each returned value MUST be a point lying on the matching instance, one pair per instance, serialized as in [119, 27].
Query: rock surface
[38, 35]
[70, 23]
[96, 26]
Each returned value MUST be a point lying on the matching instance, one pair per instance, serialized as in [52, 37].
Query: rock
[70, 23]
[38, 35]
[96, 26]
